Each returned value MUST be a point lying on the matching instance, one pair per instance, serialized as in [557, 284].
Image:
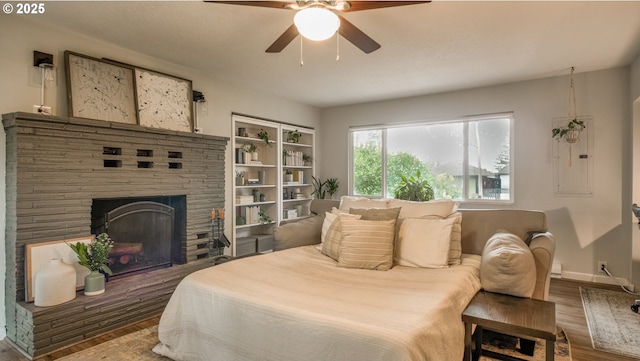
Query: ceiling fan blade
[369, 5]
[265, 4]
[357, 37]
[283, 40]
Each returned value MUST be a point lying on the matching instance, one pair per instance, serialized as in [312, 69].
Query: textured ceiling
[427, 48]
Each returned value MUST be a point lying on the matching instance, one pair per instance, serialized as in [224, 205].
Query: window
[466, 159]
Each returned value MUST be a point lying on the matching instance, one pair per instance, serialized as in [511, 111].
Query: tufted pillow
[331, 233]
[508, 266]
[424, 242]
[367, 244]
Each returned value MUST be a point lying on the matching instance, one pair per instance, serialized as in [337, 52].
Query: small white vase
[55, 284]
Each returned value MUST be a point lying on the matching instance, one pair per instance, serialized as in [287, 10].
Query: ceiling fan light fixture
[316, 23]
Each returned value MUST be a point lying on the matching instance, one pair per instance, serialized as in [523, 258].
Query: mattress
[298, 305]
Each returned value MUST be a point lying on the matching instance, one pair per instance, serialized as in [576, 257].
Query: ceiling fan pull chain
[301, 60]
[337, 46]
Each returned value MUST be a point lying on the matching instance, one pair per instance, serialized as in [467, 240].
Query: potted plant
[307, 159]
[264, 136]
[288, 176]
[239, 178]
[318, 187]
[251, 152]
[95, 257]
[413, 189]
[570, 133]
[332, 185]
[293, 136]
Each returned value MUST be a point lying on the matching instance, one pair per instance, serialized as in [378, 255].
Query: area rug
[137, 347]
[508, 345]
[613, 326]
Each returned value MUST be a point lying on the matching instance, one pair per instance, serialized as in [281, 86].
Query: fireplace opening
[148, 232]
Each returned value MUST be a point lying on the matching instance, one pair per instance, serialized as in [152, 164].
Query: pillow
[508, 266]
[411, 209]
[367, 244]
[455, 247]
[347, 202]
[424, 242]
[376, 214]
[301, 233]
[333, 235]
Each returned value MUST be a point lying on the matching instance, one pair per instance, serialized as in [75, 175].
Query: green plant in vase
[318, 187]
[414, 189]
[264, 136]
[332, 185]
[94, 257]
[293, 136]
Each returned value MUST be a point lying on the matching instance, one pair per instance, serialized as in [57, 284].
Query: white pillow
[411, 209]
[424, 242]
[508, 266]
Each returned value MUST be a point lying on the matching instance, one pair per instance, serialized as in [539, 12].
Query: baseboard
[604, 279]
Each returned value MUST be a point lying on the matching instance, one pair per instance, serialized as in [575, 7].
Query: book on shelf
[293, 158]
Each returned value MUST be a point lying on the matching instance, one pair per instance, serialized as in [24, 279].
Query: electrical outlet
[601, 264]
[42, 109]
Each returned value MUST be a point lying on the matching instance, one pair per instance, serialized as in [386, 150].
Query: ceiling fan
[349, 31]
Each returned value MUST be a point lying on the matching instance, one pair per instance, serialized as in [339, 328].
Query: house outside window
[464, 159]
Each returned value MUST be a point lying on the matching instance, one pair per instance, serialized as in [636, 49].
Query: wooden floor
[565, 293]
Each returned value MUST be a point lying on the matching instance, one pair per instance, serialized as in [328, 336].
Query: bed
[298, 305]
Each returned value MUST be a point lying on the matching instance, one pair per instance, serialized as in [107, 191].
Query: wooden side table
[515, 316]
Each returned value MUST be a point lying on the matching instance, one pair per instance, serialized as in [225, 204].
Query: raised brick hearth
[55, 167]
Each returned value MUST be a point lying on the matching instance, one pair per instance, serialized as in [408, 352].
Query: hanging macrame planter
[570, 133]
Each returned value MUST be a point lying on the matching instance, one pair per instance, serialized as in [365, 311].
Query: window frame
[465, 120]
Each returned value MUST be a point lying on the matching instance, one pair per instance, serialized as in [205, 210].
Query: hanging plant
[570, 133]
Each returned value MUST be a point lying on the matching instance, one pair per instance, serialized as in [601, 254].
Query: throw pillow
[333, 235]
[508, 266]
[367, 244]
[424, 242]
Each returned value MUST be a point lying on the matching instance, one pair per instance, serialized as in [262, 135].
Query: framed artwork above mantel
[164, 101]
[100, 89]
[110, 90]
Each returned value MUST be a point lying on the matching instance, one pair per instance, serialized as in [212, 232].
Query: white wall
[635, 169]
[20, 90]
[587, 229]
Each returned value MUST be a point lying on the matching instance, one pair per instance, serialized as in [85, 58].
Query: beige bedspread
[299, 305]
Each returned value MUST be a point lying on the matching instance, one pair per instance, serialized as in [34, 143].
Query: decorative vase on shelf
[247, 158]
[94, 283]
[55, 284]
[254, 156]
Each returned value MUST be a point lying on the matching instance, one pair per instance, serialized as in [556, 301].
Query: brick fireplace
[56, 168]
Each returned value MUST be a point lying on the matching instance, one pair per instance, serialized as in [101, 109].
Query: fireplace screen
[143, 231]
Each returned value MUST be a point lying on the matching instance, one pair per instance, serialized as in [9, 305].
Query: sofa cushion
[301, 233]
[367, 244]
[508, 266]
[424, 242]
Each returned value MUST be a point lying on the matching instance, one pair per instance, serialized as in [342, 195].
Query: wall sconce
[200, 105]
[45, 62]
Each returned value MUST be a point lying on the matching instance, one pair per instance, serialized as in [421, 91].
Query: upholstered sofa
[478, 226]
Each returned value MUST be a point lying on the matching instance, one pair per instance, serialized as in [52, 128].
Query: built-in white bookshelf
[272, 179]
